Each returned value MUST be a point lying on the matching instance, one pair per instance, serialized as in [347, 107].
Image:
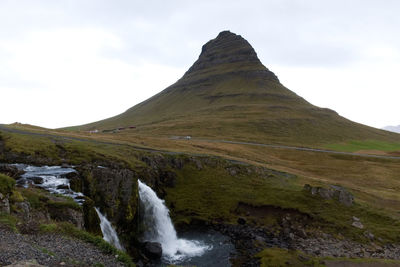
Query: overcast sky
[70, 62]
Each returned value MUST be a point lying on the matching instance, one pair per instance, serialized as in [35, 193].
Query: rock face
[153, 250]
[226, 48]
[67, 215]
[4, 204]
[115, 191]
[11, 171]
[334, 192]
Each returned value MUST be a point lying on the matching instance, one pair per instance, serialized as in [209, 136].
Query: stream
[195, 247]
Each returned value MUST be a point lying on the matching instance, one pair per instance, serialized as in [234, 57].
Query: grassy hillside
[229, 94]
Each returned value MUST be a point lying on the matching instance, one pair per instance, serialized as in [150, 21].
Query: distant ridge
[228, 93]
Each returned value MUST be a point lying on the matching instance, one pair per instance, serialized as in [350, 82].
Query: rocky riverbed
[50, 250]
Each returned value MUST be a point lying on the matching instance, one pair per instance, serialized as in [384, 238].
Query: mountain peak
[226, 48]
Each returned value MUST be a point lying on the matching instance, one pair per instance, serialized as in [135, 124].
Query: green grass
[6, 184]
[278, 257]
[211, 194]
[9, 221]
[30, 145]
[354, 146]
[55, 150]
[64, 204]
[35, 199]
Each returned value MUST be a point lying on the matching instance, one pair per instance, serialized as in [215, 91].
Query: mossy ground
[6, 184]
[277, 257]
[213, 194]
[9, 221]
[371, 145]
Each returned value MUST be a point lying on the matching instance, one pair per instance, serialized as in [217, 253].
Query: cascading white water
[108, 231]
[159, 228]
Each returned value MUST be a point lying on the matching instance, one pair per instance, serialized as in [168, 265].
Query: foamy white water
[51, 178]
[159, 228]
[109, 234]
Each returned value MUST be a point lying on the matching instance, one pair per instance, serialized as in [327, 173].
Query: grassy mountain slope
[229, 94]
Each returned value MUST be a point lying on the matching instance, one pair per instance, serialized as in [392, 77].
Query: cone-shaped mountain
[229, 94]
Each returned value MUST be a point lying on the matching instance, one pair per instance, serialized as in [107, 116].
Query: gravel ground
[51, 250]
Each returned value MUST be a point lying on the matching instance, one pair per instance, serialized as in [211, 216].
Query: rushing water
[159, 228]
[53, 179]
[199, 248]
[109, 234]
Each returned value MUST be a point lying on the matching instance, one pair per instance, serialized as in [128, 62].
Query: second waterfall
[159, 228]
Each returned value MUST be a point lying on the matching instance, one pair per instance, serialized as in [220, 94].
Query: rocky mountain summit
[227, 48]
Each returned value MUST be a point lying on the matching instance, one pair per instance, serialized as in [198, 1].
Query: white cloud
[73, 62]
[78, 83]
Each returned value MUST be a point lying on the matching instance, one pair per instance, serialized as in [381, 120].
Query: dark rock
[241, 221]
[168, 178]
[301, 233]
[198, 164]
[23, 209]
[4, 204]
[227, 48]
[153, 250]
[67, 215]
[37, 180]
[91, 219]
[303, 257]
[343, 196]
[65, 165]
[334, 192]
[70, 175]
[62, 186]
[11, 171]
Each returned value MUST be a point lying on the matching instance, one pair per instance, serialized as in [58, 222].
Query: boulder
[334, 192]
[11, 171]
[241, 221]
[357, 223]
[369, 235]
[64, 214]
[24, 210]
[63, 186]
[4, 204]
[65, 165]
[153, 250]
[342, 195]
[37, 180]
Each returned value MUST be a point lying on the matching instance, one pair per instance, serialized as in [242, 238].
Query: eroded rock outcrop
[334, 192]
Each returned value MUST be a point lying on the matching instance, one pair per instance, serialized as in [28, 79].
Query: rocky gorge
[113, 188]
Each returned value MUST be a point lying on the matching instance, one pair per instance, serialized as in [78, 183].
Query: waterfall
[159, 228]
[108, 231]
